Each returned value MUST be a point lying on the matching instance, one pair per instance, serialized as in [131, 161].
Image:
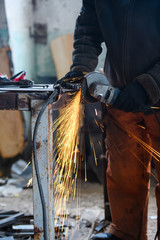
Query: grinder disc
[90, 79]
[86, 97]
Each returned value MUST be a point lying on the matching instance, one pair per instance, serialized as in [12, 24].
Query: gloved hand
[132, 98]
[71, 78]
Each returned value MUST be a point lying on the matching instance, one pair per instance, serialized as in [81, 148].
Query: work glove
[72, 77]
[132, 98]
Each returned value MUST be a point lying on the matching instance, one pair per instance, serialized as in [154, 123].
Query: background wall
[20, 18]
[3, 26]
[32, 24]
[29, 50]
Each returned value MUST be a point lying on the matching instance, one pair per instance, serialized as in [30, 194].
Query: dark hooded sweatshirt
[131, 32]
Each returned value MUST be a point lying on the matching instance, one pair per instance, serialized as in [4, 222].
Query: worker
[131, 33]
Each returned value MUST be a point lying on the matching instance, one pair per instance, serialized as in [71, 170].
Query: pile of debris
[18, 226]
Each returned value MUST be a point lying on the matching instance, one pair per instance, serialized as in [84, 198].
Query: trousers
[131, 141]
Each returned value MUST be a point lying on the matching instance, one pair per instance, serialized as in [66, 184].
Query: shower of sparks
[143, 164]
[66, 152]
[147, 147]
[154, 153]
[67, 156]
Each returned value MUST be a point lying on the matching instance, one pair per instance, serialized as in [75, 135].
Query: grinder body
[96, 87]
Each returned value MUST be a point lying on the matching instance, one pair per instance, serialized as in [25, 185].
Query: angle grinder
[95, 87]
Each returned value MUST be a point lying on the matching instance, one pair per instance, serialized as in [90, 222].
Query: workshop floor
[91, 198]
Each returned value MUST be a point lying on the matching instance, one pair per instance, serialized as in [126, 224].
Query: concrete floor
[91, 197]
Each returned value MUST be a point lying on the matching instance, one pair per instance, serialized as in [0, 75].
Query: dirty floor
[91, 197]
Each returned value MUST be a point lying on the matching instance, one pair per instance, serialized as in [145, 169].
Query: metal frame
[33, 103]
[45, 164]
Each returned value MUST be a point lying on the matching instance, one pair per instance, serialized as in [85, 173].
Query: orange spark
[93, 148]
[155, 107]
[30, 182]
[26, 166]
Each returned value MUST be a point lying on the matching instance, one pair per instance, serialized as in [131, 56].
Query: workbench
[26, 101]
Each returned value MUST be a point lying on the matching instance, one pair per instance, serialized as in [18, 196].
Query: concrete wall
[3, 26]
[19, 17]
[60, 17]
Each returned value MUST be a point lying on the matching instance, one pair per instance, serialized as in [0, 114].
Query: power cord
[42, 198]
[157, 233]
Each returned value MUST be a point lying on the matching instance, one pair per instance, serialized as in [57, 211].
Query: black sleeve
[151, 83]
[87, 39]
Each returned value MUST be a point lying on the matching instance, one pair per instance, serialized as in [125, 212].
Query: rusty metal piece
[10, 219]
[20, 100]
[38, 145]
[18, 227]
[101, 225]
[45, 164]
[7, 238]
[23, 102]
[8, 101]
[26, 101]
[38, 233]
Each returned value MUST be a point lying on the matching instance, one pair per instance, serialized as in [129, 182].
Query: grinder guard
[96, 87]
